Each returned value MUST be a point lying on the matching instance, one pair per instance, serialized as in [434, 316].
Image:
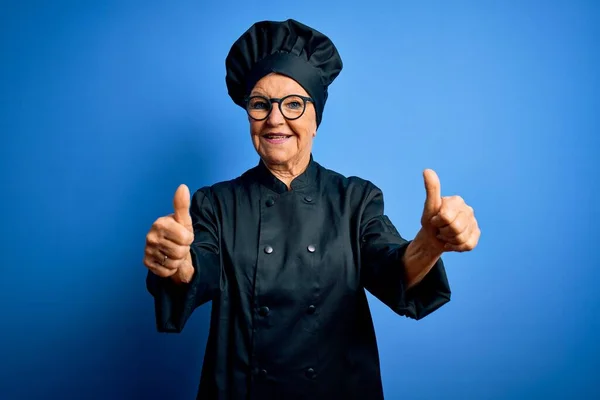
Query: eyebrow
[258, 93]
[263, 94]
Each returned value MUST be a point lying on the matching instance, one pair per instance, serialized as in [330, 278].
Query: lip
[276, 141]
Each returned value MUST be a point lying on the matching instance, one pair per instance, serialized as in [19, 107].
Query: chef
[286, 252]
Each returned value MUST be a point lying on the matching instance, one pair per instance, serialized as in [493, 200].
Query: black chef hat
[289, 48]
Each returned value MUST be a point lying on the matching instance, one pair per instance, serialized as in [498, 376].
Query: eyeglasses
[292, 106]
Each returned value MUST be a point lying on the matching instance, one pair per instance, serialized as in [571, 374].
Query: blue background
[106, 107]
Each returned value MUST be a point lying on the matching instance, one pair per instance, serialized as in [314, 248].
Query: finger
[168, 248]
[164, 266]
[169, 258]
[450, 206]
[181, 205]
[156, 268]
[433, 199]
[175, 251]
[178, 234]
[460, 248]
[445, 216]
[469, 245]
[459, 225]
[168, 228]
[458, 238]
[156, 258]
[173, 240]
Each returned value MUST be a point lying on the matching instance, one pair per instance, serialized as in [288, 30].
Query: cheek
[305, 132]
[255, 127]
[306, 126]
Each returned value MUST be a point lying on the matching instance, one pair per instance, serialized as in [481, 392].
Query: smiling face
[281, 143]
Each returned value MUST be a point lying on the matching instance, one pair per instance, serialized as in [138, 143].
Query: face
[278, 141]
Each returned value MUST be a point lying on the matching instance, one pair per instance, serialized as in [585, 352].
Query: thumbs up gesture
[167, 252]
[448, 222]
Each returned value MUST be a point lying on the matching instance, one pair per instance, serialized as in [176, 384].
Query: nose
[275, 117]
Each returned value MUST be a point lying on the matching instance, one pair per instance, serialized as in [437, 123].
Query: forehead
[277, 85]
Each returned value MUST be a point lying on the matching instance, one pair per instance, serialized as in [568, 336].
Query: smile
[276, 138]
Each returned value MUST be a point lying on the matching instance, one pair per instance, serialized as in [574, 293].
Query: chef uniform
[287, 270]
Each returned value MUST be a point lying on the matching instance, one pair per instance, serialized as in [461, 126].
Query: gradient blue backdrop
[106, 107]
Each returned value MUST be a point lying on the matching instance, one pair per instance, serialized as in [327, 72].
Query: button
[311, 309]
[264, 311]
[268, 249]
[311, 248]
[311, 374]
[262, 373]
[270, 202]
[308, 199]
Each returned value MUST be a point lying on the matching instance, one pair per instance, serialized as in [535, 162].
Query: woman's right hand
[168, 242]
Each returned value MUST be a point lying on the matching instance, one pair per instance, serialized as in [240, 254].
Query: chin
[275, 157]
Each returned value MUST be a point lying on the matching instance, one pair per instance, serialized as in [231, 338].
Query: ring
[164, 261]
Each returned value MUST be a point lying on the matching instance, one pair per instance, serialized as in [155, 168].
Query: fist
[448, 221]
[167, 252]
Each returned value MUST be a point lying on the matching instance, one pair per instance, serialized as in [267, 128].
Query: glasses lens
[292, 107]
[258, 107]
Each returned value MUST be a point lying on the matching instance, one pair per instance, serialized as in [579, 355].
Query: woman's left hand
[448, 222]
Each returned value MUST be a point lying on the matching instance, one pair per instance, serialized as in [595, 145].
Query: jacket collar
[305, 179]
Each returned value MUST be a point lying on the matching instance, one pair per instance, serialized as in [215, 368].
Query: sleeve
[382, 269]
[174, 304]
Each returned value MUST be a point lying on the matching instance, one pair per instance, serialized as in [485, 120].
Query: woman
[286, 251]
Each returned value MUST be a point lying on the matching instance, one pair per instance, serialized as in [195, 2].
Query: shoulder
[349, 185]
[227, 188]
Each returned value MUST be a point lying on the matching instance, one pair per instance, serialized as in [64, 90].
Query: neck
[287, 172]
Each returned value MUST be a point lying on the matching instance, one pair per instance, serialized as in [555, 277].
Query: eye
[294, 104]
[258, 104]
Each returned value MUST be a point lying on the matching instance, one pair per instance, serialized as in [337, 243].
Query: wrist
[426, 245]
[420, 256]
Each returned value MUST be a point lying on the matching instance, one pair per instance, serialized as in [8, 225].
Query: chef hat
[288, 48]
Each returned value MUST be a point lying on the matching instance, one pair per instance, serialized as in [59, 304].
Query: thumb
[181, 205]
[433, 201]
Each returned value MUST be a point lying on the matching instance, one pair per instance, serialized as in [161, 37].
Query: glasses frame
[279, 101]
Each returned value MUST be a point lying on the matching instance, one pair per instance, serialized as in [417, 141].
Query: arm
[407, 276]
[419, 258]
[175, 298]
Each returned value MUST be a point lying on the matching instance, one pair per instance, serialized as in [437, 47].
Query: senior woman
[286, 251]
